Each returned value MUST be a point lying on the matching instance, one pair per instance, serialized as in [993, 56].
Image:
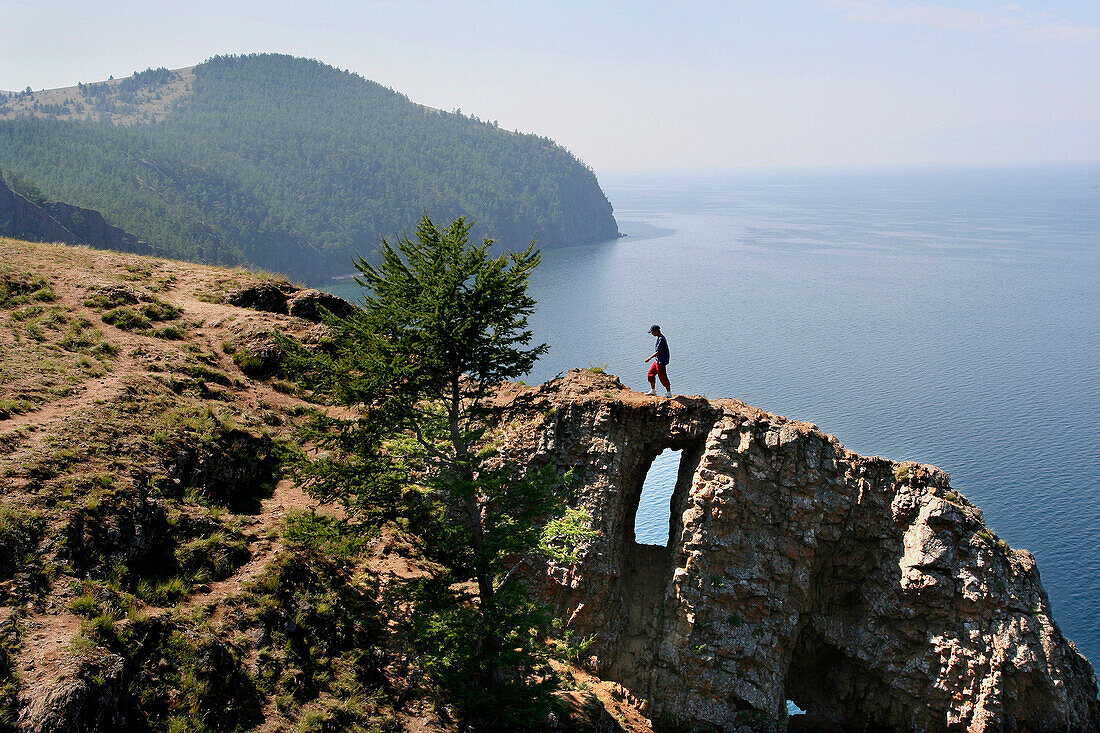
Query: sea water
[945, 316]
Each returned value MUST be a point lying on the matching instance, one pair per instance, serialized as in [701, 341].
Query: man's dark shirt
[662, 350]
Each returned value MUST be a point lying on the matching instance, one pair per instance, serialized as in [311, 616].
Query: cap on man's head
[654, 327]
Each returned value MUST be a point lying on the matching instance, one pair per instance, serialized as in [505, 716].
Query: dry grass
[72, 103]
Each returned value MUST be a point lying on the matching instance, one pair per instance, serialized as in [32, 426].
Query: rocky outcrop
[23, 219]
[265, 296]
[868, 592]
[91, 228]
[284, 298]
[234, 470]
[307, 304]
[84, 697]
[54, 221]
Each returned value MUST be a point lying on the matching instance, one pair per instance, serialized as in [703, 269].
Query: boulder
[265, 296]
[305, 304]
[83, 697]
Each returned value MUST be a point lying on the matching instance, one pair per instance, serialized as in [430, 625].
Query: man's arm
[651, 357]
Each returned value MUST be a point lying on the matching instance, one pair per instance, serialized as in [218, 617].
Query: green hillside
[288, 164]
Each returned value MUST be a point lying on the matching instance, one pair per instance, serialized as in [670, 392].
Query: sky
[690, 85]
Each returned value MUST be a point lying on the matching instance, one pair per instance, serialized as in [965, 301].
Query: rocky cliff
[869, 592]
[55, 221]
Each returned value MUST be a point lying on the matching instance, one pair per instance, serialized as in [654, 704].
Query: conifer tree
[444, 322]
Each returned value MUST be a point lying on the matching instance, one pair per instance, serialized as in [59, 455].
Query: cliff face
[868, 592]
[54, 221]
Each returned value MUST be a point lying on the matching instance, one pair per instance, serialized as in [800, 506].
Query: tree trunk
[491, 643]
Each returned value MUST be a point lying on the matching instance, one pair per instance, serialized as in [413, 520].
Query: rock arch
[867, 591]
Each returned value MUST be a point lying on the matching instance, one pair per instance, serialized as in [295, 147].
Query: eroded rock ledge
[867, 591]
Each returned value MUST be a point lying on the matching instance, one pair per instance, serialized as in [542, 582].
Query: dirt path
[44, 650]
[96, 388]
[47, 636]
[264, 544]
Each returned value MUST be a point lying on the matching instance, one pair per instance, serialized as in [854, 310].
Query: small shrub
[565, 645]
[78, 337]
[290, 388]
[85, 605]
[26, 314]
[171, 333]
[249, 363]
[320, 533]
[20, 289]
[206, 374]
[125, 318]
[99, 628]
[212, 557]
[165, 592]
[44, 295]
[9, 407]
[157, 310]
[104, 350]
[91, 367]
[162, 284]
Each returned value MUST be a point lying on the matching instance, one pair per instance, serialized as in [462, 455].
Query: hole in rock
[652, 521]
[656, 489]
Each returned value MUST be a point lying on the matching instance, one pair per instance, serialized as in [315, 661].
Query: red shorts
[658, 370]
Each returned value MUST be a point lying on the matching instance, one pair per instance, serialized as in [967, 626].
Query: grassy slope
[113, 546]
[151, 549]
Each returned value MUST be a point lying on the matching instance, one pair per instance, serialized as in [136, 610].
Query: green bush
[158, 310]
[85, 605]
[18, 289]
[249, 363]
[212, 557]
[9, 407]
[125, 318]
[308, 531]
[171, 333]
[165, 592]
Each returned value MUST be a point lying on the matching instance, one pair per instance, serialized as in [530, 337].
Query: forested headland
[288, 164]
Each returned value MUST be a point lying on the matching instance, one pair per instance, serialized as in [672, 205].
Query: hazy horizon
[646, 86]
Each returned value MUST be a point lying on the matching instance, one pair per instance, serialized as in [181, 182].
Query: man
[660, 359]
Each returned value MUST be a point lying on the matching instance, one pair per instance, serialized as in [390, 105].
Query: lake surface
[948, 317]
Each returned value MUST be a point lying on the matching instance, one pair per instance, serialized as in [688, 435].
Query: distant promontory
[287, 164]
